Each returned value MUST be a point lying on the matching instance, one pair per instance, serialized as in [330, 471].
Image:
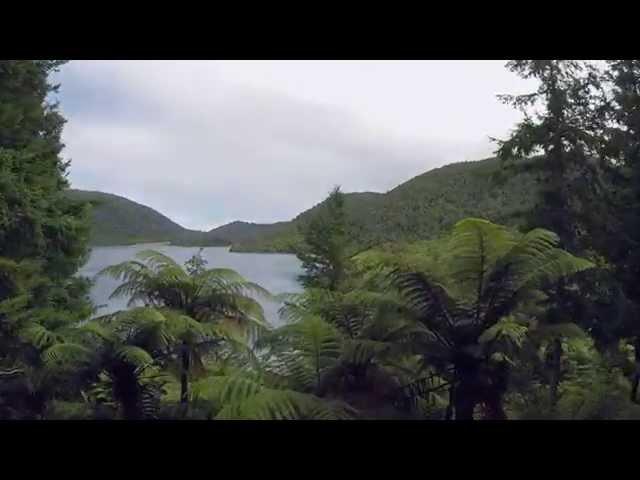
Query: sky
[210, 142]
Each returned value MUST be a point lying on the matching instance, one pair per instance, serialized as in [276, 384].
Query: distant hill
[422, 207]
[119, 221]
[239, 232]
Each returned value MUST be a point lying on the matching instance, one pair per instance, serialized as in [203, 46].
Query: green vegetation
[118, 221]
[42, 236]
[240, 233]
[501, 289]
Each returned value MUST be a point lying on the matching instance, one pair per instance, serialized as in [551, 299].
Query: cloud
[210, 142]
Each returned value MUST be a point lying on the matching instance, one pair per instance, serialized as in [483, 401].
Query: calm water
[275, 272]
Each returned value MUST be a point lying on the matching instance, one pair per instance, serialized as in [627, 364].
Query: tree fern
[465, 306]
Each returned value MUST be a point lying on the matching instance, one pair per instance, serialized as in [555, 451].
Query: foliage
[249, 396]
[621, 154]
[593, 387]
[36, 219]
[559, 119]
[465, 305]
[43, 235]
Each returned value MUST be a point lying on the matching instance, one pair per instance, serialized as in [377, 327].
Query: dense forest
[502, 289]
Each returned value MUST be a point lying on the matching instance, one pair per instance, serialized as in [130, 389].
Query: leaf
[474, 247]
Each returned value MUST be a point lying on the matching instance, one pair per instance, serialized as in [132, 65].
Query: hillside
[283, 236]
[240, 232]
[119, 221]
[422, 207]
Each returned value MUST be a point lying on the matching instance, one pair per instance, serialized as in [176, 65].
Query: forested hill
[119, 221]
[420, 208]
[241, 232]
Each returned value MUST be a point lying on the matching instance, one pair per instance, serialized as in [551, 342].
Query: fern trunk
[636, 373]
[465, 403]
[494, 407]
[634, 387]
[452, 395]
[477, 386]
[555, 371]
[127, 391]
[184, 375]
[466, 396]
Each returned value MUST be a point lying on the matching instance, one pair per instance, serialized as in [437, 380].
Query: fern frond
[362, 351]
[474, 247]
[39, 336]
[133, 355]
[67, 354]
[14, 304]
[508, 329]
[274, 404]
[157, 260]
[238, 388]
[557, 264]
[431, 301]
[98, 330]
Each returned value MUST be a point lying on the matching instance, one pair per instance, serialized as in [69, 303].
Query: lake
[273, 271]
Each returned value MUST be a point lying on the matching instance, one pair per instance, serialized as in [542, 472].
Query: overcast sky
[209, 142]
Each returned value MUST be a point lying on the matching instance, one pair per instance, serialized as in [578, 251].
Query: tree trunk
[636, 374]
[126, 391]
[184, 376]
[452, 395]
[494, 394]
[495, 408]
[634, 388]
[464, 407]
[465, 399]
[130, 409]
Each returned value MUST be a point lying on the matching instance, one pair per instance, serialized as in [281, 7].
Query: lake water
[275, 272]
